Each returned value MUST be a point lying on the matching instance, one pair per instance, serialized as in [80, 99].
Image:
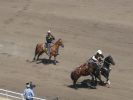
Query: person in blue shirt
[28, 93]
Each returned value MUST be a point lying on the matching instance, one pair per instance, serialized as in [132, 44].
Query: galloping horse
[105, 70]
[40, 49]
[84, 70]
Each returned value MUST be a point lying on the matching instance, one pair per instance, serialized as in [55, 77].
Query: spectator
[28, 92]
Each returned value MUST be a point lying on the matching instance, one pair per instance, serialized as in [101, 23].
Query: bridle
[107, 62]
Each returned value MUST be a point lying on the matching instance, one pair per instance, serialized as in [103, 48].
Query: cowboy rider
[49, 40]
[96, 60]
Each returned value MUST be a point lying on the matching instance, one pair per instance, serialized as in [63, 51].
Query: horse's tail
[75, 75]
[72, 75]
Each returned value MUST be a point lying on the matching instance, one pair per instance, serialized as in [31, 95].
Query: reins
[106, 62]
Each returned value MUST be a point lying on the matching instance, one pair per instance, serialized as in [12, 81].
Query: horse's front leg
[100, 79]
[92, 79]
[107, 80]
[105, 73]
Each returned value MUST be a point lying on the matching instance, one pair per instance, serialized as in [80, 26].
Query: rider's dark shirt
[49, 38]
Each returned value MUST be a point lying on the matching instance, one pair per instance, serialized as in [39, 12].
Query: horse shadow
[45, 61]
[87, 83]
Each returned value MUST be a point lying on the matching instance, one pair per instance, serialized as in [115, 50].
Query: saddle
[46, 45]
[92, 63]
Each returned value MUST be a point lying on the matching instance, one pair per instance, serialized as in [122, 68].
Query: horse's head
[60, 43]
[109, 60]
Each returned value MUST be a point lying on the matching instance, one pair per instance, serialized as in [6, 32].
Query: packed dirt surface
[4, 99]
[84, 26]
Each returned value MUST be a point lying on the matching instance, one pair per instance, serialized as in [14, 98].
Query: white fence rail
[14, 95]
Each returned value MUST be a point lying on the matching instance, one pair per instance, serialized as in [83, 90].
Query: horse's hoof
[93, 87]
[102, 83]
[107, 85]
[54, 62]
[57, 61]
[75, 88]
[33, 59]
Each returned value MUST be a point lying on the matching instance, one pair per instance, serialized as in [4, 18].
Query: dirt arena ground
[84, 26]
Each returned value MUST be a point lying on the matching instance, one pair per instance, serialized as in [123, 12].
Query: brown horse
[40, 49]
[84, 70]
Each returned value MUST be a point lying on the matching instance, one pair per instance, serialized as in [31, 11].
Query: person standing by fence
[28, 92]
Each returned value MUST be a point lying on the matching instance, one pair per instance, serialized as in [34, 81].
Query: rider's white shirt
[94, 58]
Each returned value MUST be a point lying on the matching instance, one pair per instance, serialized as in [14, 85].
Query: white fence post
[6, 95]
[22, 96]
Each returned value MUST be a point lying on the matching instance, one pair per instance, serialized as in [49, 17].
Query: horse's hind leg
[101, 82]
[38, 55]
[93, 80]
[34, 57]
[36, 52]
[107, 79]
[74, 84]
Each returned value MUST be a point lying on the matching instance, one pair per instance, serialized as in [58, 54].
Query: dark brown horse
[84, 70]
[106, 68]
[40, 49]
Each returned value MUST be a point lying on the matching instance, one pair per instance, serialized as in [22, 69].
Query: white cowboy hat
[99, 51]
[49, 31]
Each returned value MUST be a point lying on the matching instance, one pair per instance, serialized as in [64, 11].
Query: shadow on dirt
[46, 61]
[84, 84]
[87, 83]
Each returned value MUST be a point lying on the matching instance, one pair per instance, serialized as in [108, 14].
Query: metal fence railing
[14, 95]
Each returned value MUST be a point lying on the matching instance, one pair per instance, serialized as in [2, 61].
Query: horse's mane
[56, 41]
[109, 56]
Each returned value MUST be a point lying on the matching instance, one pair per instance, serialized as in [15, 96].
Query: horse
[40, 49]
[84, 70]
[105, 69]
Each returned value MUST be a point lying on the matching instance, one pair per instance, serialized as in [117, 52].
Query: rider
[96, 60]
[49, 39]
